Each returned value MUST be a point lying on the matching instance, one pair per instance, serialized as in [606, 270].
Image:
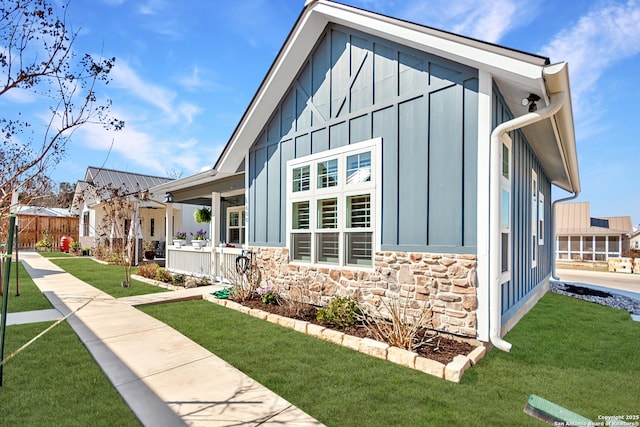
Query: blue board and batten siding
[355, 87]
[524, 277]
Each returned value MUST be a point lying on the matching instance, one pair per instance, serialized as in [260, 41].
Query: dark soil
[438, 347]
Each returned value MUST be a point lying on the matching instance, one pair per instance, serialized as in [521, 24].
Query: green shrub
[341, 312]
[178, 279]
[269, 296]
[163, 275]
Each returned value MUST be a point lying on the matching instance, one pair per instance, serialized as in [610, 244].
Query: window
[85, 224]
[153, 227]
[332, 221]
[235, 225]
[301, 179]
[505, 210]
[534, 219]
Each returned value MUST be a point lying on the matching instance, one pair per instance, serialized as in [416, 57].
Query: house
[90, 204]
[581, 237]
[381, 158]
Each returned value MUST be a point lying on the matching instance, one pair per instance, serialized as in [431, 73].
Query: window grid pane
[328, 174]
[301, 215]
[301, 243]
[359, 211]
[359, 168]
[327, 247]
[505, 161]
[328, 213]
[301, 178]
[234, 218]
[359, 248]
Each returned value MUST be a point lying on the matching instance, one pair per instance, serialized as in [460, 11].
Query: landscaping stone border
[452, 371]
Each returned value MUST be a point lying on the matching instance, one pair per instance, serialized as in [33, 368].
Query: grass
[30, 297]
[582, 356]
[56, 382]
[55, 254]
[107, 278]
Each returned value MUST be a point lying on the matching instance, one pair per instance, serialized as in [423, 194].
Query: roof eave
[556, 78]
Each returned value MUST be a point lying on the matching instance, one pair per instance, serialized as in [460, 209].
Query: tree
[36, 56]
[118, 230]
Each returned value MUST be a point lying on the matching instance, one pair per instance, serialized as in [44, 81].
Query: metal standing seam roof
[129, 181]
[575, 219]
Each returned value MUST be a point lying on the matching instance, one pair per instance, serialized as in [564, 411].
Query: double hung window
[330, 206]
[235, 225]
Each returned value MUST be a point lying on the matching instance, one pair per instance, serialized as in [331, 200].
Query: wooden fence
[31, 229]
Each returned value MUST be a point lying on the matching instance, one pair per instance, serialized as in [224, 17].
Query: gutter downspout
[554, 275]
[495, 303]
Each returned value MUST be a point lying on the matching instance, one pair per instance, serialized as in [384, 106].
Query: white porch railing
[214, 263]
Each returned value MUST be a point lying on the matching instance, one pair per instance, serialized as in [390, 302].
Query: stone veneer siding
[446, 283]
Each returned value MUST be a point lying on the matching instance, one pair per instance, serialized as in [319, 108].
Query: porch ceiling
[197, 189]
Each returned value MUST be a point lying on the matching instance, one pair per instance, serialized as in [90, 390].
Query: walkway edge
[145, 404]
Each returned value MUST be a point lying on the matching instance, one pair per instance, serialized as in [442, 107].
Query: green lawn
[55, 254]
[580, 355]
[56, 382]
[30, 297]
[107, 278]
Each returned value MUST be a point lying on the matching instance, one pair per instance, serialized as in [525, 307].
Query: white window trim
[534, 242]
[505, 185]
[242, 227]
[342, 192]
[541, 222]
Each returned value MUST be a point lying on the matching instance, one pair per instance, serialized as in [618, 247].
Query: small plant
[114, 258]
[46, 243]
[399, 328]
[163, 275]
[75, 246]
[200, 235]
[340, 312]
[148, 270]
[149, 246]
[202, 215]
[269, 296]
[178, 279]
[245, 284]
[180, 235]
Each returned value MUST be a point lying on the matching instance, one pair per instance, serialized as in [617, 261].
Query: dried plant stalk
[401, 329]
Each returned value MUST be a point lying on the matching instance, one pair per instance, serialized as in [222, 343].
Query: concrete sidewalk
[166, 379]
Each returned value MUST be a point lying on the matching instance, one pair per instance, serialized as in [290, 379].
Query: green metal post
[5, 290]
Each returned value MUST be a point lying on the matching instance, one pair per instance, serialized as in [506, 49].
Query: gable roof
[575, 219]
[129, 181]
[516, 73]
[99, 178]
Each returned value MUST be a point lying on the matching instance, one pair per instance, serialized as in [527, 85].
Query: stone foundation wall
[442, 283]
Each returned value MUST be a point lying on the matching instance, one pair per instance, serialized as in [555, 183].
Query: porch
[224, 234]
[208, 261]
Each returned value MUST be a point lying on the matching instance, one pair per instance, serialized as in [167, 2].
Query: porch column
[216, 216]
[168, 223]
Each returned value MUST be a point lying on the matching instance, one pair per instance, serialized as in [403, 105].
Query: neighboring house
[634, 241]
[581, 237]
[381, 158]
[88, 205]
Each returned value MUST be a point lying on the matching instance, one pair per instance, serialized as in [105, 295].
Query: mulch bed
[440, 348]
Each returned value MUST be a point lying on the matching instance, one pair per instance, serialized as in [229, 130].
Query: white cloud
[151, 7]
[487, 21]
[598, 40]
[125, 77]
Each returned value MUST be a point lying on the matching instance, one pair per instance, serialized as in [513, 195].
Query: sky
[186, 71]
